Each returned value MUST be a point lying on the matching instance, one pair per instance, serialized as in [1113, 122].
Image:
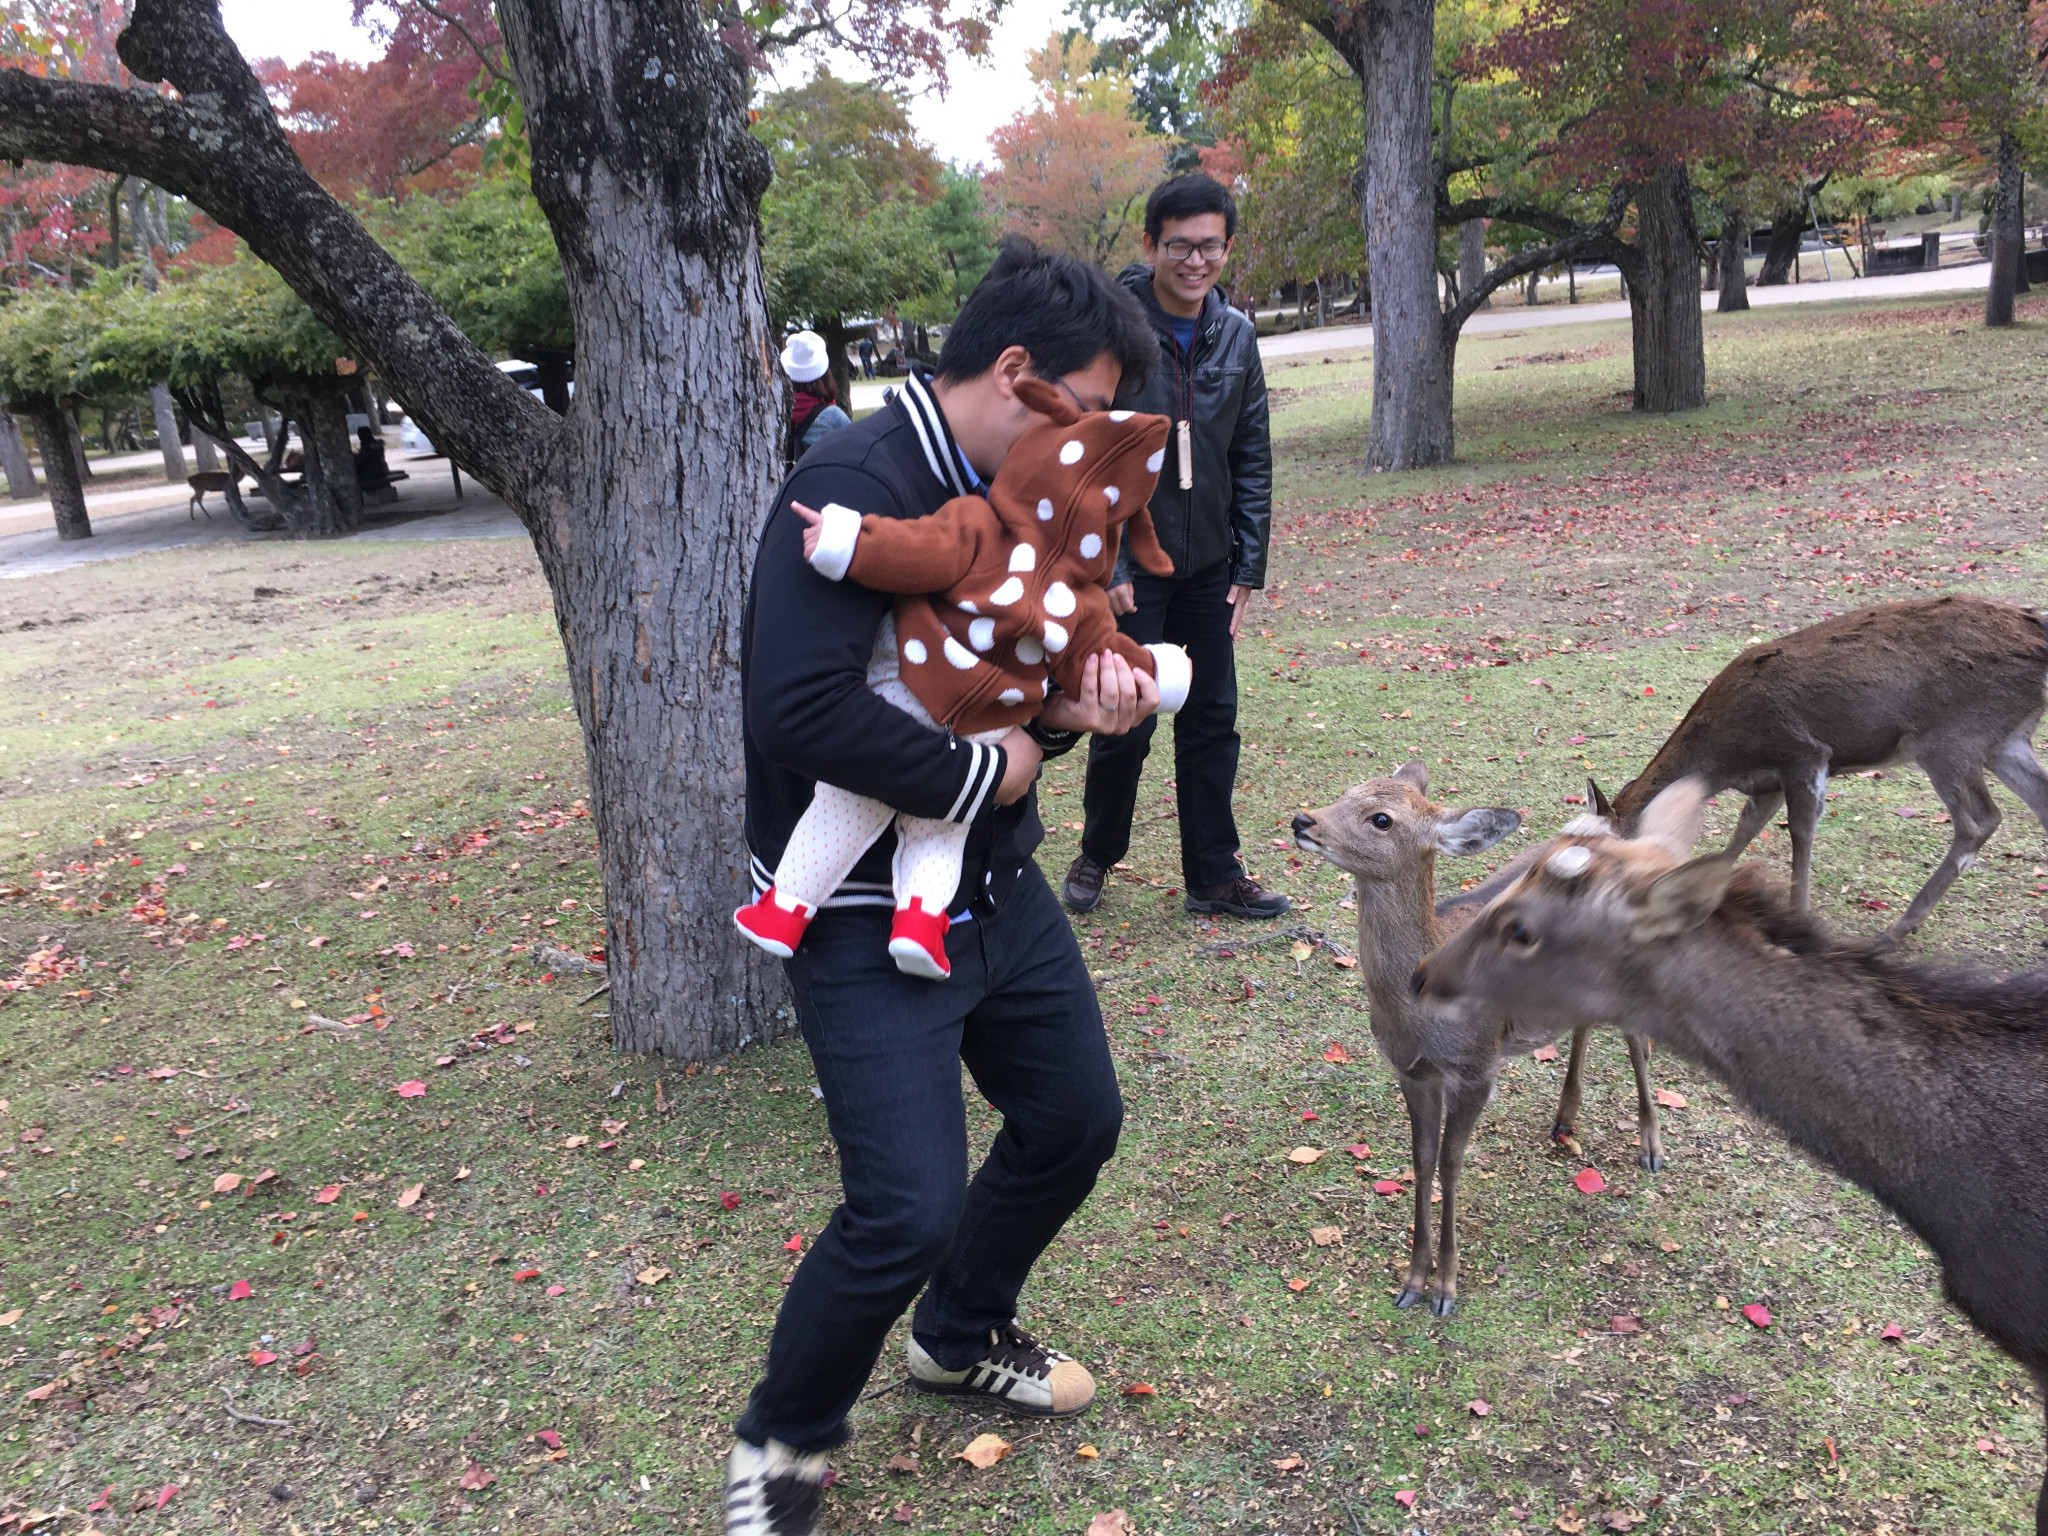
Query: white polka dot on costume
[1091, 545]
[1007, 593]
[1029, 651]
[914, 652]
[1010, 696]
[1071, 451]
[1156, 460]
[1023, 558]
[1055, 636]
[1120, 415]
[1112, 495]
[1045, 509]
[966, 605]
[981, 634]
[959, 655]
[1059, 599]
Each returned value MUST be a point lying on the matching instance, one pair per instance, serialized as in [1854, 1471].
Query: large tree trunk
[2008, 236]
[1411, 374]
[1472, 258]
[203, 452]
[1664, 297]
[647, 526]
[1733, 274]
[1781, 251]
[167, 432]
[57, 438]
[333, 502]
[21, 475]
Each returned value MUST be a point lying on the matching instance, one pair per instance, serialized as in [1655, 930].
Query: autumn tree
[1073, 172]
[643, 500]
[46, 342]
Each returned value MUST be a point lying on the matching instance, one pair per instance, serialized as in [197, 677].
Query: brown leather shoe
[1082, 889]
[1242, 897]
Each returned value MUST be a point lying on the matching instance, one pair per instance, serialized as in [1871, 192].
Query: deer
[1386, 834]
[206, 480]
[1927, 1086]
[1955, 684]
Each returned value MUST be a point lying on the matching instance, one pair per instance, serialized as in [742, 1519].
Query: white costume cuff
[1175, 675]
[836, 537]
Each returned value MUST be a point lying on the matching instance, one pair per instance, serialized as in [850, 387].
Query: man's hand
[1240, 599]
[1114, 697]
[813, 521]
[1123, 598]
[1021, 757]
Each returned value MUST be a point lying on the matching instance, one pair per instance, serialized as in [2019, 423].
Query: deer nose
[1303, 825]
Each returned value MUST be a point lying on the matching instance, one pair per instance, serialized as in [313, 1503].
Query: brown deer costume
[1000, 598]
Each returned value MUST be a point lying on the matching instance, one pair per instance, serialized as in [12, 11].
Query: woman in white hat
[814, 402]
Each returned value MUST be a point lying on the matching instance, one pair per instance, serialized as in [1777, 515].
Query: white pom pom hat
[806, 357]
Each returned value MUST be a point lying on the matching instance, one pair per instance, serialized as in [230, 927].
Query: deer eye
[1518, 934]
[1382, 820]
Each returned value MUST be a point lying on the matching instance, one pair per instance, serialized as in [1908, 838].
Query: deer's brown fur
[1954, 684]
[1928, 1087]
[1446, 1067]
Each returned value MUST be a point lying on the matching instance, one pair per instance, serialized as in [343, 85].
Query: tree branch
[475, 47]
[1576, 241]
[222, 148]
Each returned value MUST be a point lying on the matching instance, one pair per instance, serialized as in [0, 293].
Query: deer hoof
[1408, 1297]
[1562, 1131]
[1651, 1161]
[1443, 1306]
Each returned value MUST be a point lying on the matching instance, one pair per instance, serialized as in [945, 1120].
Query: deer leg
[2041, 1504]
[1974, 814]
[1806, 795]
[1756, 815]
[2019, 770]
[1466, 1099]
[1566, 1121]
[1652, 1156]
[1425, 1096]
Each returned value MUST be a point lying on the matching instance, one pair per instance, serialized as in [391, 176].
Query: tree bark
[2008, 238]
[1734, 275]
[57, 439]
[76, 436]
[1788, 230]
[1472, 258]
[1411, 377]
[167, 433]
[203, 452]
[21, 475]
[333, 502]
[1664, 297]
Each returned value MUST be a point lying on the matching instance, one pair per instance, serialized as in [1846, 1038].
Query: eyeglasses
[1079, 404]
[1210, 250]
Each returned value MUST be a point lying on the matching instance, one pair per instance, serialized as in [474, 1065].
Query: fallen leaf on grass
[1324, 1237]
[903, 1514]
[1589, 1181]
[474, 1477]
[1387, 1187]
[1112, 1522]
[1758, 1314]
[729, 1200]
[100, 1503]
[1667, 1245]
[1297, 1285]
[461, 1174]
[548, 1438]
[1624, 1325]
[1344, 962]
[1670, 1098]
[1892, 1331]
[44, 1391]
[1088, 1453]
[1300, 949]
[9, 1319]
[1287, 1464]
[1304, 1155]
[1405, 1497]
[1335, 1051]
[902, 1461]
[1479, 1407]
[521, 1276]
[165, 1495]
[412, 1089]
[227, 1183]
[1621, 1520]
[411, 1197]
[652, 1275]
[1545, 1053]
[556, 1290]
[795, 1243]
[570, 1143]
[1359, 1150]
[262, 1357]
[984, 1451]
[1570, 1525]
[1141, 1389]
[328, 1195]
[241, 1290]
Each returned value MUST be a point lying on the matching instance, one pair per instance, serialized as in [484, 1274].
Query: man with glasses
[1212, 511]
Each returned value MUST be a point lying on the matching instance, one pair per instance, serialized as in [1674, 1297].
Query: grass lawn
[325, 1202]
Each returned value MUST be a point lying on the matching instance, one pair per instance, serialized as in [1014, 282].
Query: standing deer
[1928, 1087]
[1386, 834]
[1954, 684]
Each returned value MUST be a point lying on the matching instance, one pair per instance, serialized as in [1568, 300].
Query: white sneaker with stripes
[771, 1490]
[1018, 1374]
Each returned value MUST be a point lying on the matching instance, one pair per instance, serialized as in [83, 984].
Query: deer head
[1385, 829]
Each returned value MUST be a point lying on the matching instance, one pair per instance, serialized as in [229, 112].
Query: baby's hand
[812, 522]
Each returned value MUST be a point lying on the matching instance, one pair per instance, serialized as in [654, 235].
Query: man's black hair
[1063, 311]
[1189, 197]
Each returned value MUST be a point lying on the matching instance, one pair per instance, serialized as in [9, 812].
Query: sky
[980, 95]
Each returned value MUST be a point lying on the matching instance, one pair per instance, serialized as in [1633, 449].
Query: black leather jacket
[1229, 513]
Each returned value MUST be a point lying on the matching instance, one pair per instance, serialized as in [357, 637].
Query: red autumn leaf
[1545, 1053]
[729, 1200]
[241, 1290]
[1670, 1098]
[1893, 1332]
[549, 1438]
[1386, 1187]
[44, 1391]
[1359, 1150]
[1405, 1498]
[1624, 1324]
[100, 1503]
[795, 1243]
[1287, 1464]
[521, 1276]
[903, 1514]
[170, 1492]
[262, 1357]
[1479, 1407]
[1309, 1114]
[474, 1477]
[1758, 1314]
[328, 1195]
[1422, 1431]
[304, 1349]
[1589, 1181]
[413, 1088]
[556, 1290]
[1335, 1051]
[1141, 1389]
[1648, 691]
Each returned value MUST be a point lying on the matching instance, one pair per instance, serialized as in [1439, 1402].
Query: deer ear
[1414, 775]
[1597, 802]
[1672, 820]
[1681, 899]
[1474, 831]
[1046, 399]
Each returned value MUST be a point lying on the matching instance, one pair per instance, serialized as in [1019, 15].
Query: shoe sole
[1233, 910]
[779, 950]
[1022, 1410]
[1077, 907]
[912, 959]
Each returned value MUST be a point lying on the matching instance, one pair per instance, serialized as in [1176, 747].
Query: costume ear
[1047, 400]
[1145, 543]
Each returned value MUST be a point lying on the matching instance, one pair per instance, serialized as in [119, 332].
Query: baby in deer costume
[997, 600]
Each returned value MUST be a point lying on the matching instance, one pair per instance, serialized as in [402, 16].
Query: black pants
[1020, 1011]
[1193, 612]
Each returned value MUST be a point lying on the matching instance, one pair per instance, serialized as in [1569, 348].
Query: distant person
[867, 357]
[814, 411]
[371, 468]
[1212, 510]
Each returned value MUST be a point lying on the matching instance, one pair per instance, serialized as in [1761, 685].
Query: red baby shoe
[773, 926]
[917, 940]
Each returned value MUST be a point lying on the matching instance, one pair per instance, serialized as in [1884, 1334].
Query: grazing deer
[1928, 1087]
[206, 480]
[1386, 834]
[1954, 684]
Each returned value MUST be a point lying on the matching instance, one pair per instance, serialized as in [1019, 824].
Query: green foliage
[963, 235]
[489, 260]
[239, 319]
[46, 342]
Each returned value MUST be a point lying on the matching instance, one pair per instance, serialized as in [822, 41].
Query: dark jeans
[1020, 1011]
[1193, 612]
